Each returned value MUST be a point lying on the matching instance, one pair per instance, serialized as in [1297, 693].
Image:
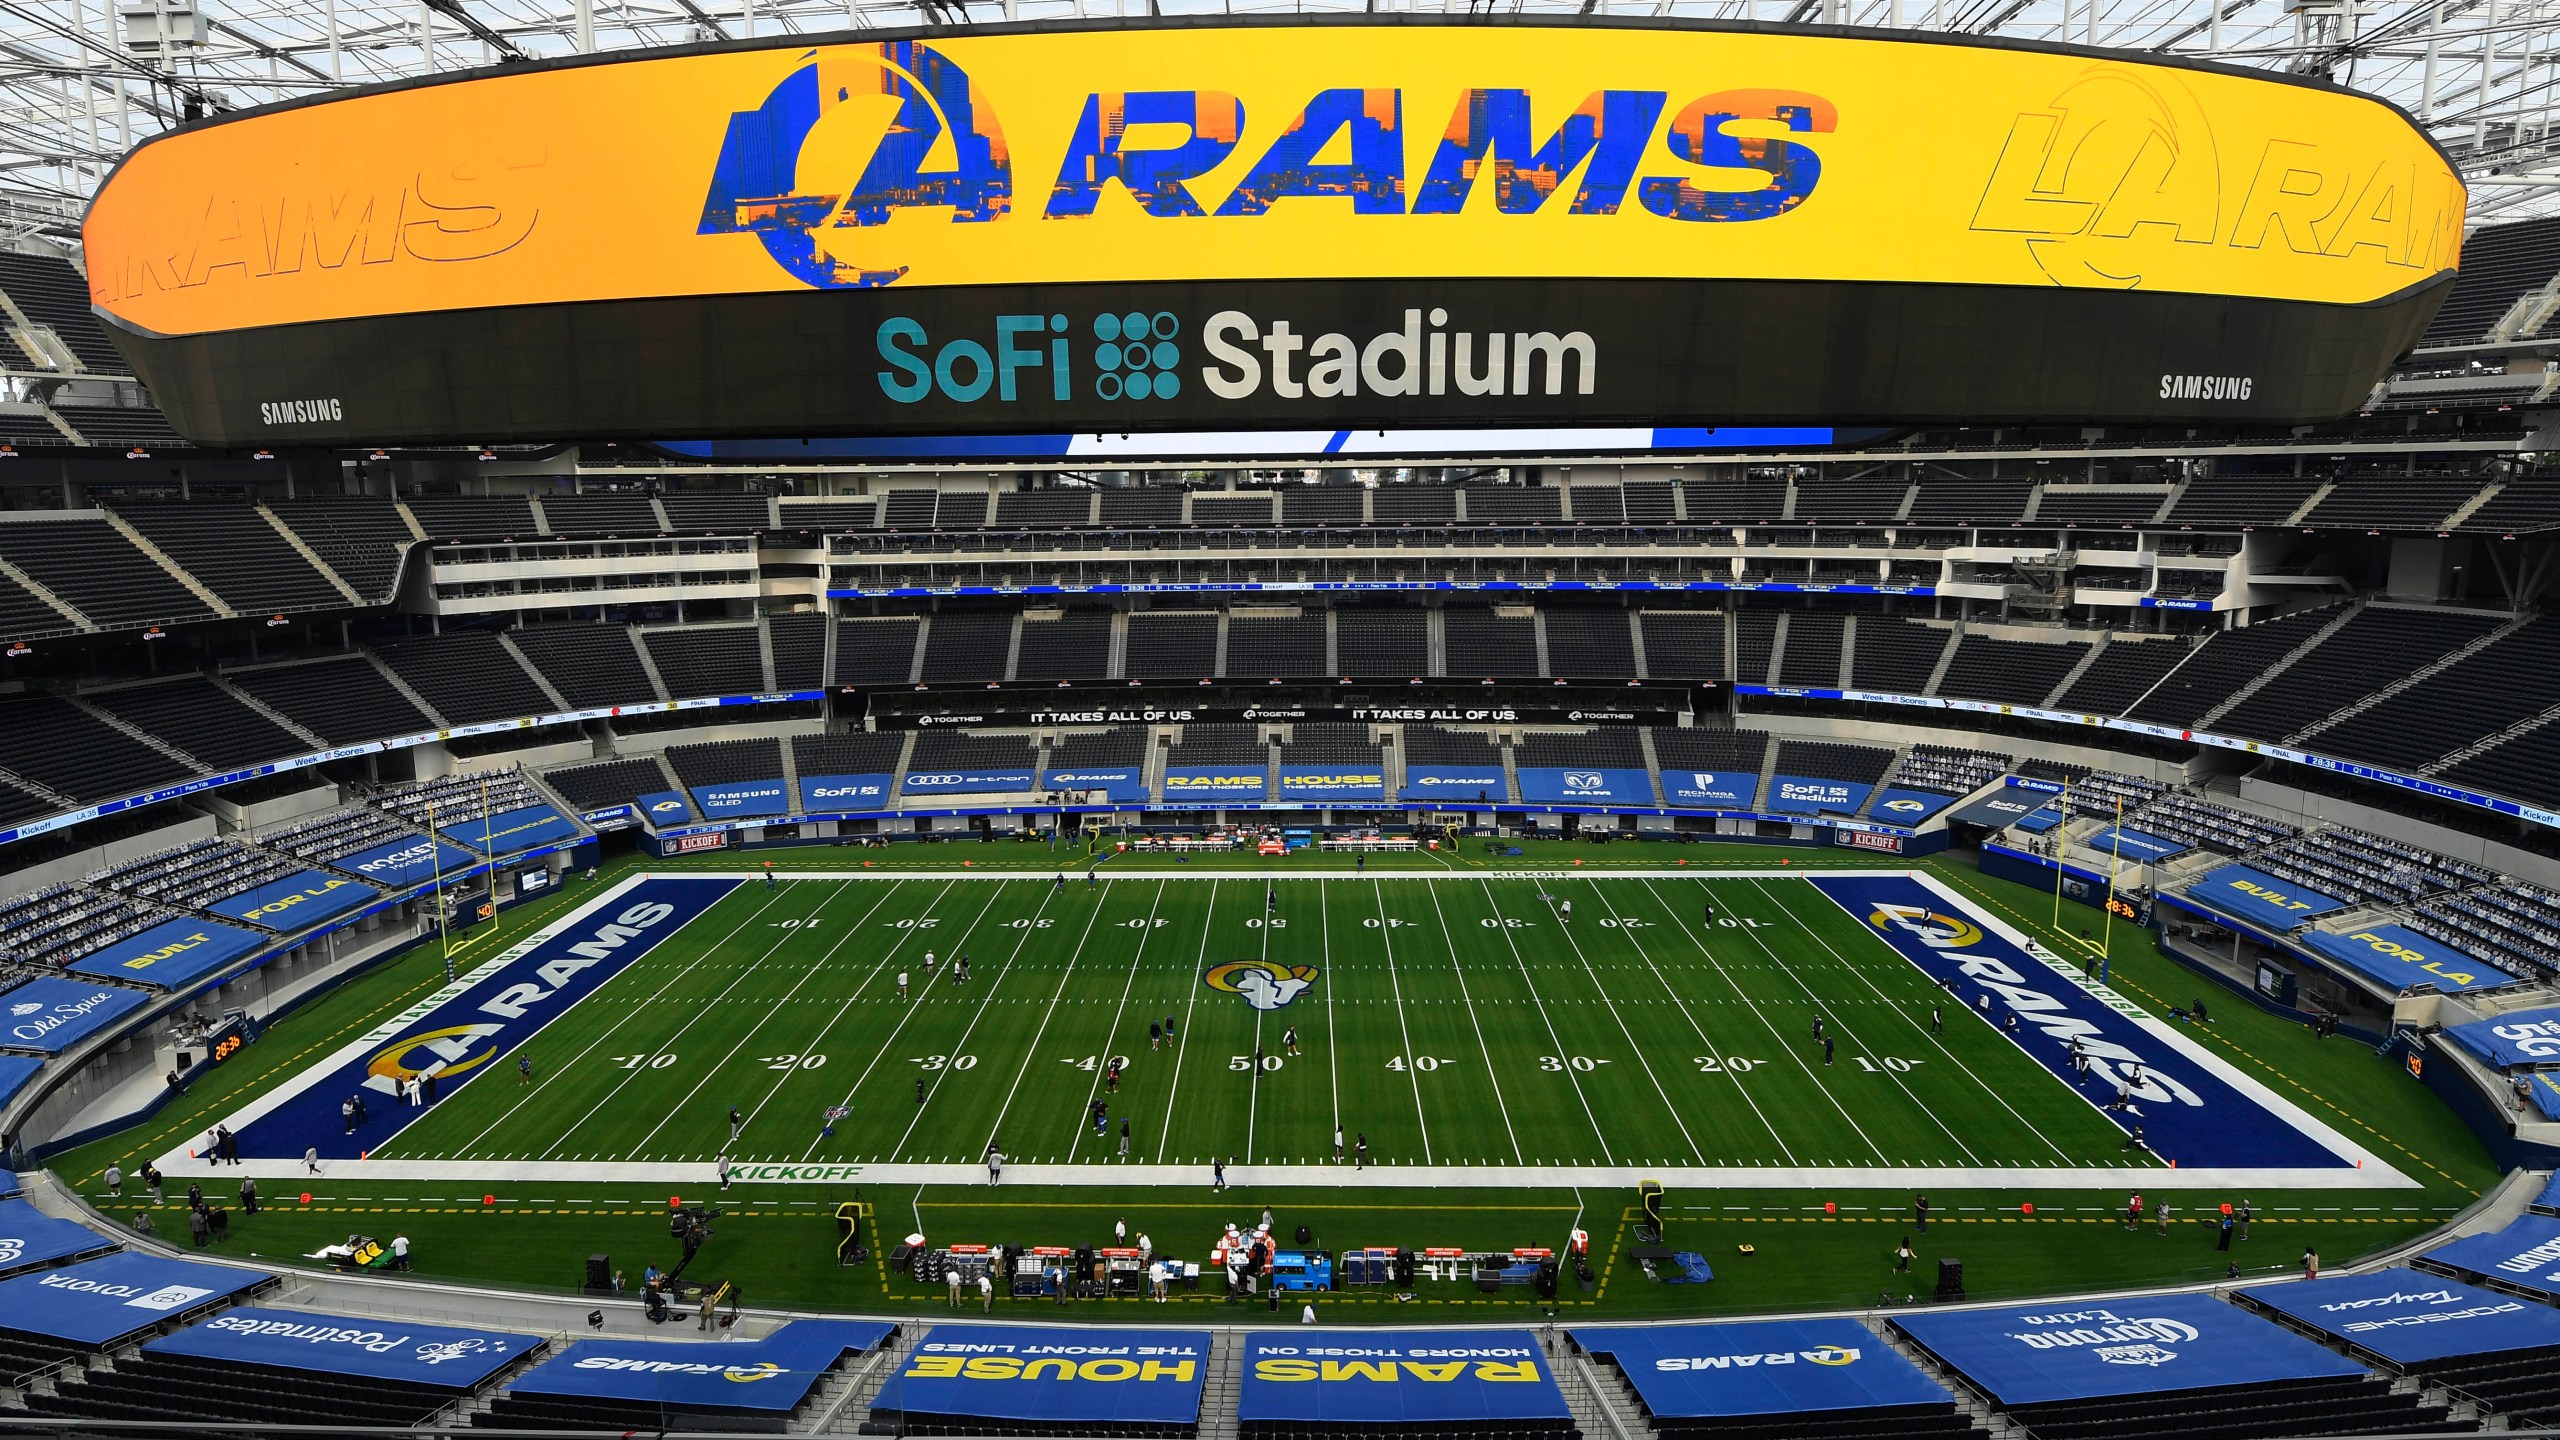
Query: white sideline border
[2369, 1170]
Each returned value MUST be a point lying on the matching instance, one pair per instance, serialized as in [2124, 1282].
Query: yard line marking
[1835, 1014]
[1032, 1054]
[1539, 1003]
[1914, 1020]
[1110, 1036]
[1253, 1082]
[1189, 1011]
[1771, 1026]
[850, 931]
[890, 1042]
[695, 1017]
[1493, 1071]
[1600, 989]
[535, 1090]
[1332, 1046]
[1712, 1048]
[1396, 982]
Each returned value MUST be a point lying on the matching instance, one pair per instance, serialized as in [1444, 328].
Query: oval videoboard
[1284, 226]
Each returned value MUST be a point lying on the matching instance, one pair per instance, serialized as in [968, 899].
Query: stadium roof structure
[85, 80]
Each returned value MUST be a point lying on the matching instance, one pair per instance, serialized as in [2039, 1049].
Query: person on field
[1124, 1137]
[902, 984]
[1155, 1035]
[1360, 1152]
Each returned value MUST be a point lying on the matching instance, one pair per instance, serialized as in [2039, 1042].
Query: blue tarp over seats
[2524, 1256]
[2410, 1319]
[752, 1384]
[1308, 1382]
[2548, 1202]
[358, 1347]
[170, 955]
[2134, 847]
[2069, 1352]
[1808, 1373]
[2271, 904]
[2397, 957]
[980, 1379]
[52, 1014]
[509, 831]
[99, 1303]
[2519, 1037]
[31, 1239]
[15, 1072]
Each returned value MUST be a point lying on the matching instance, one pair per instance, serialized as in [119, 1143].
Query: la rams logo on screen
[1264, 985]
[447, 1052]
[854, 134]
[1932, 928]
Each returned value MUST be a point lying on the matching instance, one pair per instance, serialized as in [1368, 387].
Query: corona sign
[1128, 227]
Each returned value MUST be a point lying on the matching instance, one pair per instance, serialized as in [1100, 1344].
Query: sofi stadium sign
[1141, 226]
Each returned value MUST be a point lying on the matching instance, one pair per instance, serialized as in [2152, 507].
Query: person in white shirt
[986, 1293]
[954, 1276]
[902, 984]
[1308, 1315]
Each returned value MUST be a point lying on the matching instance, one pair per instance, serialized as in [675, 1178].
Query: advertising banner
[509, 831]
[1909, 807]
[1762, 1367]
[1048, 1378]
[1454, 786]
[1324, 1380]
[172, 954]
[29, 1237]
[1333, 783]
[52, 1015]
[297, 902]
[2409, 1317]
[99, 1302]
[1734, 789]
[2262, 899]
[739, 799]
[1125, 784]
[2525, 1255]
[2134, 847]
[1999, 809]
[15, 1072]
[1196, 783]
[774, 1373]
[2066, 1350]
[412, 860]
[2397, 957]
[1809, 795]
[820, 793]
[662, 808]
[466, 1029]
[2519, 1037]
[1598, 785]
[930, 783]
[2195, 1109]
[359, 1347]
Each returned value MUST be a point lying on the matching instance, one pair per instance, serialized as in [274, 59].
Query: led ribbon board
[1298, 224]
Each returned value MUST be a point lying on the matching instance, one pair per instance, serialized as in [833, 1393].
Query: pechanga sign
[1231, 224]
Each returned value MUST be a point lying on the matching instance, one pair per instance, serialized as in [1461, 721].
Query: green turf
[744, 990]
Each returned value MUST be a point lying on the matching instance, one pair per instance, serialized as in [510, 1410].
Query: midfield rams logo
[1263, 985]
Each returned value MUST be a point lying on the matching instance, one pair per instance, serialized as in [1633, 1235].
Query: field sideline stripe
[1111, 1034]
[1563, 1052]
[1404, 1027]
[1475, 1016]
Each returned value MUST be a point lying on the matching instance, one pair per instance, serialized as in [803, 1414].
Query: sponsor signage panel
[1333, 782]
[1050, 1377]
[775, 1373]
[1762, 1367]
[1909, 807]
[1123, 783]
[2397, 957]
[297, 902]
[2192, 1114]
[1380, 1379]
[1998, 809]
[1810, 795]
[30, 1237]
[844, 792]
[1575, 785]
[2262, 899]
[2526, 1255]
[1195, 783]
[361, 1347]
[509, 831]
[2519, 1037]
[2134, 847]
[99, 1302]
[1455, 785]
[468, 1029]
[15, 1072]
[1738, 789]
[2409, 1317]
[416, 860]
[52, 1015]
[2066, 1350]
[741, 798]
[967, 782]
[171, 954]
[662, 808]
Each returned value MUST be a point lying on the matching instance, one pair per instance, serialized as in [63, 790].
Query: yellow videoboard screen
[1364, 155]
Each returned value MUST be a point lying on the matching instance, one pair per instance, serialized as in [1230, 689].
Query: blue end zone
[1051, 1377]
[2398, 957]
[468, 1034]
[2410, 1318]
[2069, 1350]
[171, 955]
[509, 831]
[103, 1301]
[1383, 1378]
[1762, 1367]
[2190, 1114]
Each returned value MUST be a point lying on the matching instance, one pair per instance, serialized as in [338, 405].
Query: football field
[1549, 1029]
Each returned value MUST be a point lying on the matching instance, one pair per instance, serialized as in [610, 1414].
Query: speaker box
[1950, 1279]
[599, 1275]
[1306, 1236]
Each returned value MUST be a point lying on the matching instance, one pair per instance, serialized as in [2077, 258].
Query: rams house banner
[1295, 222]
